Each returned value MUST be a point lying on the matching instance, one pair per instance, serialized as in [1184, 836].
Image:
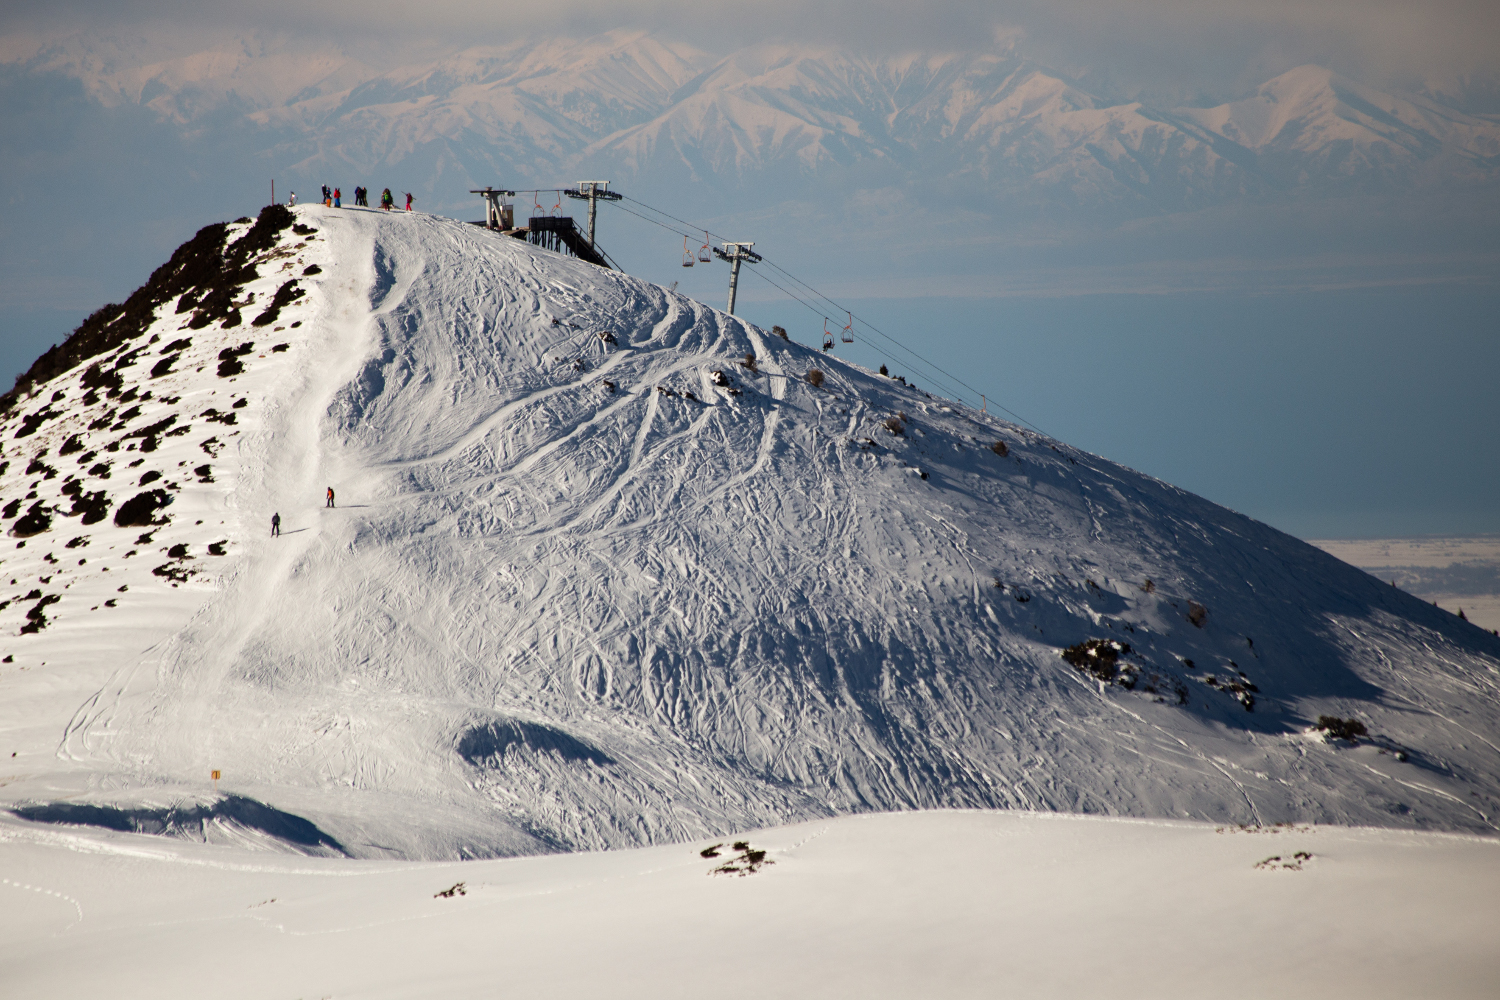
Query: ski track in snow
[550, 615]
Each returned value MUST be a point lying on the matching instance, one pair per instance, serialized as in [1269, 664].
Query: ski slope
[580, 592]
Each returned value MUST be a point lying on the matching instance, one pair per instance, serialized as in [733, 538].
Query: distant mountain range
[996, 124]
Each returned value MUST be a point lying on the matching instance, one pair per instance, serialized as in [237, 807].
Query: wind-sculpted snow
[593, 591]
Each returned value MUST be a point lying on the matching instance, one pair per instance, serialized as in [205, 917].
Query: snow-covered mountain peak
[610, 567]
[655, 113]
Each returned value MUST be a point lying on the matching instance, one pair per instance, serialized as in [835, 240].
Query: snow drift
[596, 578]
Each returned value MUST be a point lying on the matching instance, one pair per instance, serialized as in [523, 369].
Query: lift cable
[814, 293]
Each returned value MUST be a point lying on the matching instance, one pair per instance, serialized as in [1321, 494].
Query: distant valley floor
[1458, 572]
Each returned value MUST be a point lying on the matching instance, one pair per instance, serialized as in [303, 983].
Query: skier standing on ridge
[387, 199]
[337, 199]
[327, 196]
[408, 201]
[275, 525]
[330, 497]
[293, 200]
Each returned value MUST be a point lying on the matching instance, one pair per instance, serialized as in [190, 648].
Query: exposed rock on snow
[588, 591]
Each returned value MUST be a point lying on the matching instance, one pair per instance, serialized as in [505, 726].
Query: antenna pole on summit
[735, 253]
[593, 191]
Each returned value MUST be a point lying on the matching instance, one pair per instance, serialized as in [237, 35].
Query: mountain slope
[581, 591]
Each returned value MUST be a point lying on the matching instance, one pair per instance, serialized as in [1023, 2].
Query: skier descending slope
[275, 525]
[329, 502]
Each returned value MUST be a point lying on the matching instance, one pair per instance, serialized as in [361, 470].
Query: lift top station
[555, 232]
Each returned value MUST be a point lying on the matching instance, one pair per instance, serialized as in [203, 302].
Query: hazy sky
[1207, 47]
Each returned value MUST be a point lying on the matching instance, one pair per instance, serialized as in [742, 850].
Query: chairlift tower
[734, 253]
[593, 191]
[494, 216]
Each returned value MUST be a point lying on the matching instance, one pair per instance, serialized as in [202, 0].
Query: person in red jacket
[408, 201]
[330, 497]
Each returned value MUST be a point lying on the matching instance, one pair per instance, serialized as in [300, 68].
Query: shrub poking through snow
[1342, 729]
[885, 371]
[1197, 614]
[457, 889]
[141, 509]
[780, 332]
[1000, 448]
[1278, 863]
[36, 520]
[1243, 691]
[747, 862]
[1100, 658]
[814, 378]
[894, 425]
[1149, 587]
[749, 361]
[36, 618]
[229, 360]
[285, 296]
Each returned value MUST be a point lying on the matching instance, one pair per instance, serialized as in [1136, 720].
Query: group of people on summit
[334, 198]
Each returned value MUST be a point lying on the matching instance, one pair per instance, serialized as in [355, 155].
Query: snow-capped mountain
[608, 567]
[996, 126]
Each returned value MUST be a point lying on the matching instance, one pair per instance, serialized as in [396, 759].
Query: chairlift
[687, 255]
[827, 336]
[848, 335]
[557, 208]
[703, 255]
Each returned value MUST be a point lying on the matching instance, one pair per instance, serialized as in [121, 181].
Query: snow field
[951, 904]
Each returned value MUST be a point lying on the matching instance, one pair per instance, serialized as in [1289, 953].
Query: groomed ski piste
[596, 579]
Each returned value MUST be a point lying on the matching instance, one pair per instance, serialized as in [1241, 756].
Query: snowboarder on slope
[408, 201]
[330, 497]
[338, 201]
[275, 525]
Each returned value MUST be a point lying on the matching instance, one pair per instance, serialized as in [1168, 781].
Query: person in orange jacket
[330, 497]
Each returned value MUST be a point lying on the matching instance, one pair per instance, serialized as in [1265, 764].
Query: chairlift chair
[848, 335]
[687, 255]
[827, 336]
[703, 255]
